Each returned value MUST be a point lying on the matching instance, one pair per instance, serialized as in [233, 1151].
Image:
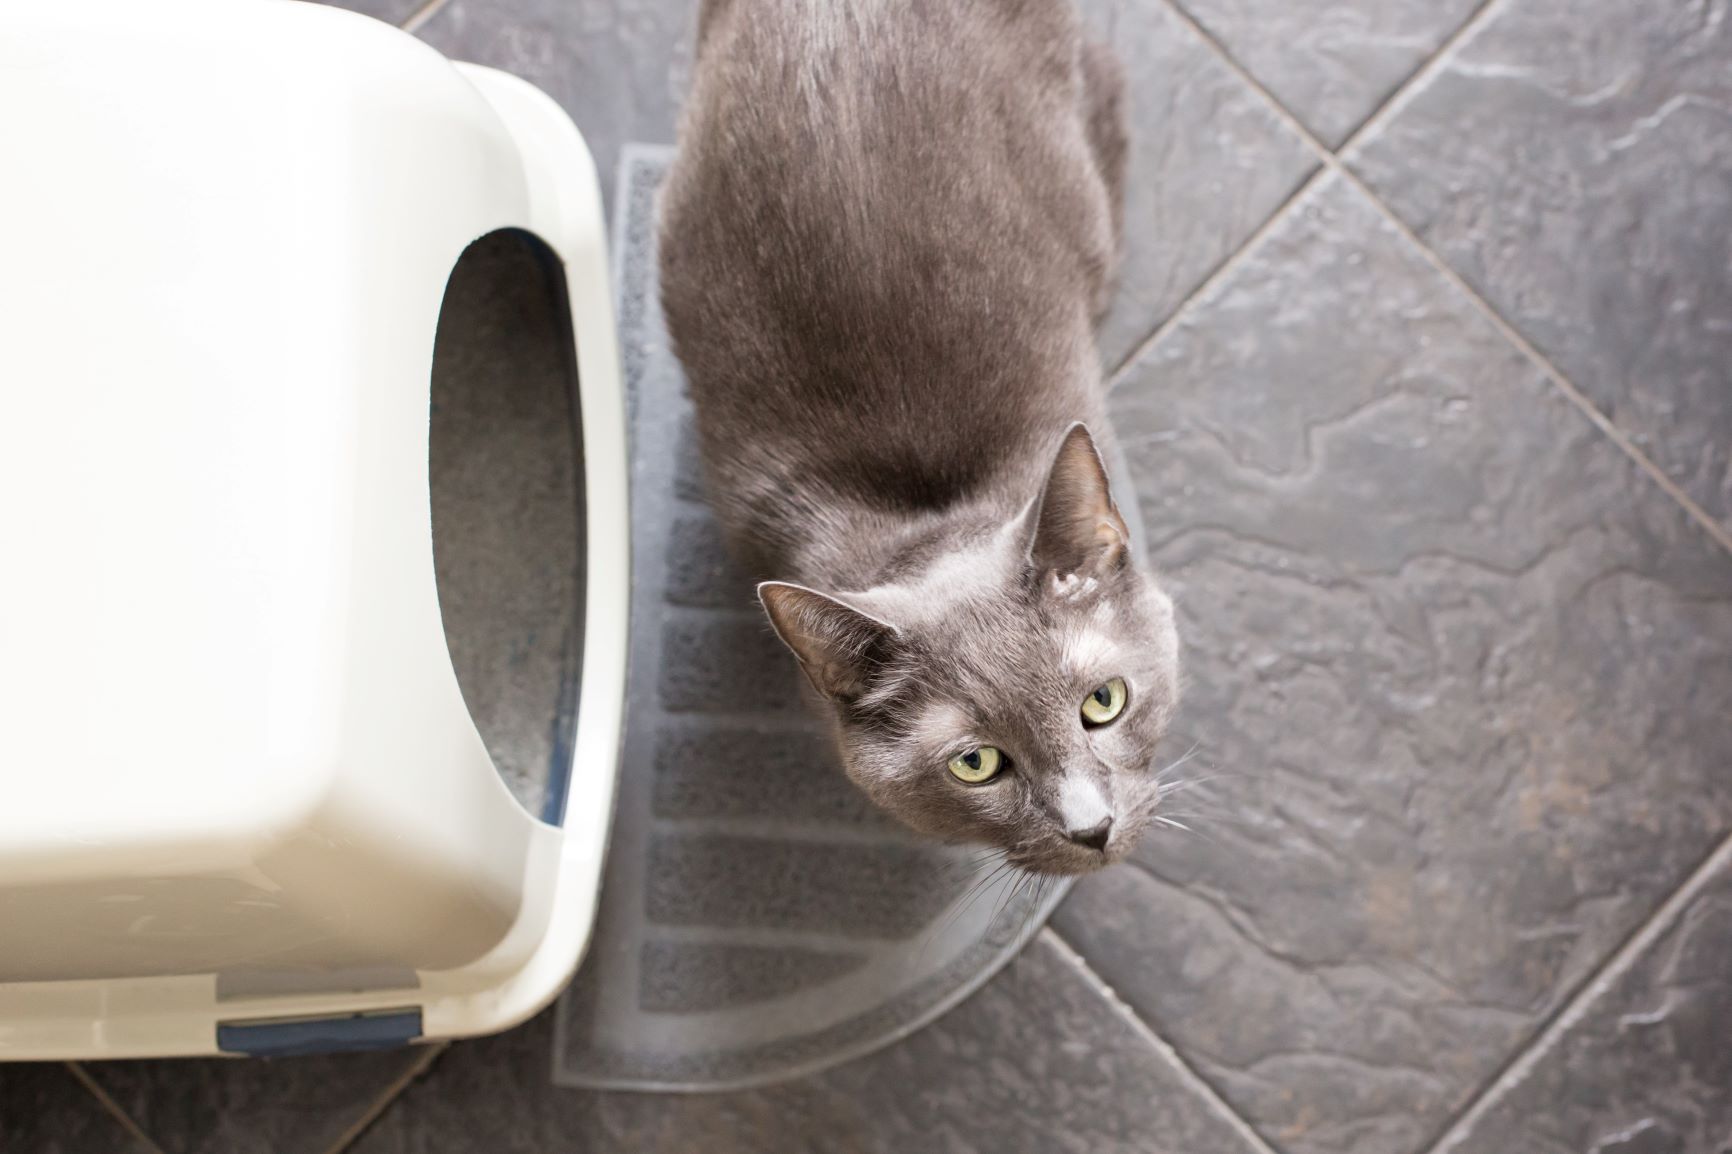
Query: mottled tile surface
[1208, 163]
[1646, 1068]
[1037, 1063]
[253, 1105]
[45, 1110]
[1331, 62]
[617, 67]
[1574, 163]
[1467, 668]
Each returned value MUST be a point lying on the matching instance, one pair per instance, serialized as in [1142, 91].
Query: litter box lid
[231, 740]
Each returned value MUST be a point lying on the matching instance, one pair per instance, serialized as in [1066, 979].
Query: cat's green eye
[1105, 703]
[977, 765]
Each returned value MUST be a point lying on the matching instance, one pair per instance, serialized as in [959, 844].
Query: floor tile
[45, 1110]
[253, 1105]
[1574, 163]
[1465, 666]
[618, 67]
[1647, 1068]
[1331, 62]
[1037, 1062]
[1209, 162]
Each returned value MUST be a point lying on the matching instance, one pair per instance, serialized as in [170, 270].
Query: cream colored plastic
[237, 778]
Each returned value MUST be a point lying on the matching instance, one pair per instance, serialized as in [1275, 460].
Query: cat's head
[1013, 692]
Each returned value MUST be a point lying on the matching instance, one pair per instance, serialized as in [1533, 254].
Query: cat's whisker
[971, 869]
[1013, 894]
[983, 861]
[1189, 753]
[973, 895]
[1186, 783]
[962, 904]
[1003, 901]
[1182, 821]
[1029, 877]
[1008, 889]
[986, 883]
[977, 880]
[1042, 887]
[1207, 815]
[1174, 765]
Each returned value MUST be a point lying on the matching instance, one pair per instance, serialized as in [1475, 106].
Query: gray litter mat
[759, 920]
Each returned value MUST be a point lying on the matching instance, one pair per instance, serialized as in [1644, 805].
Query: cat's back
[880, 246]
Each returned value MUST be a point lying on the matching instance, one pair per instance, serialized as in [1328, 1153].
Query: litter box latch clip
[284, 1037]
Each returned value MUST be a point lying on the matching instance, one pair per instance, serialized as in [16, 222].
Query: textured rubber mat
[759, 919]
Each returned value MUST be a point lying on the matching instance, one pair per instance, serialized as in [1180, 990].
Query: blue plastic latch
[283, 1037]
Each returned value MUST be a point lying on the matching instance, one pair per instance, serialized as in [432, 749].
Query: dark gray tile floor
[1576, 172]
[1331, 62]
[48, 1109]
[1209, 162]
[1466, 667]
[1643, 1064]
[1040, 1060]
[1459, 626]
[225, 1106]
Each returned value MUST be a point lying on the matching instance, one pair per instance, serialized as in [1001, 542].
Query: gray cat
[890, 231]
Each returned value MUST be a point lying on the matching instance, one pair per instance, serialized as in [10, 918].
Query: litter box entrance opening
[505, 467]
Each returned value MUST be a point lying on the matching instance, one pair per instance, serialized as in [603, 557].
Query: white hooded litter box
[242, 805]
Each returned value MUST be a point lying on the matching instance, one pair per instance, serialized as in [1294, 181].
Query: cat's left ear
[837, 644]
[1078, 533]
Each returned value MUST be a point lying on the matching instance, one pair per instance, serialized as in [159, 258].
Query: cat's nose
[1095, 837]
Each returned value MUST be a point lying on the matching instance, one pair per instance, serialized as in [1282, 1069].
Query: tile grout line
[1397, 99]
[1332, 163]
[1615, 965]
[1399, 96]
[1619, 961]
[1194, 299]
[387, 1098]
[1434, 63]
[1187, 1073]
[415, 20]
[113, 1108]
[1576, 1008]
[1719, 533]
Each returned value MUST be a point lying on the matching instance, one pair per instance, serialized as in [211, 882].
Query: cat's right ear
[837, 644]
[1078, 533]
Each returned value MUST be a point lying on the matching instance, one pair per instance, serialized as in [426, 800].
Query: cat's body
[884, 246]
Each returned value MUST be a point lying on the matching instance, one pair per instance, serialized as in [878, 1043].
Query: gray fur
[884, 245]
